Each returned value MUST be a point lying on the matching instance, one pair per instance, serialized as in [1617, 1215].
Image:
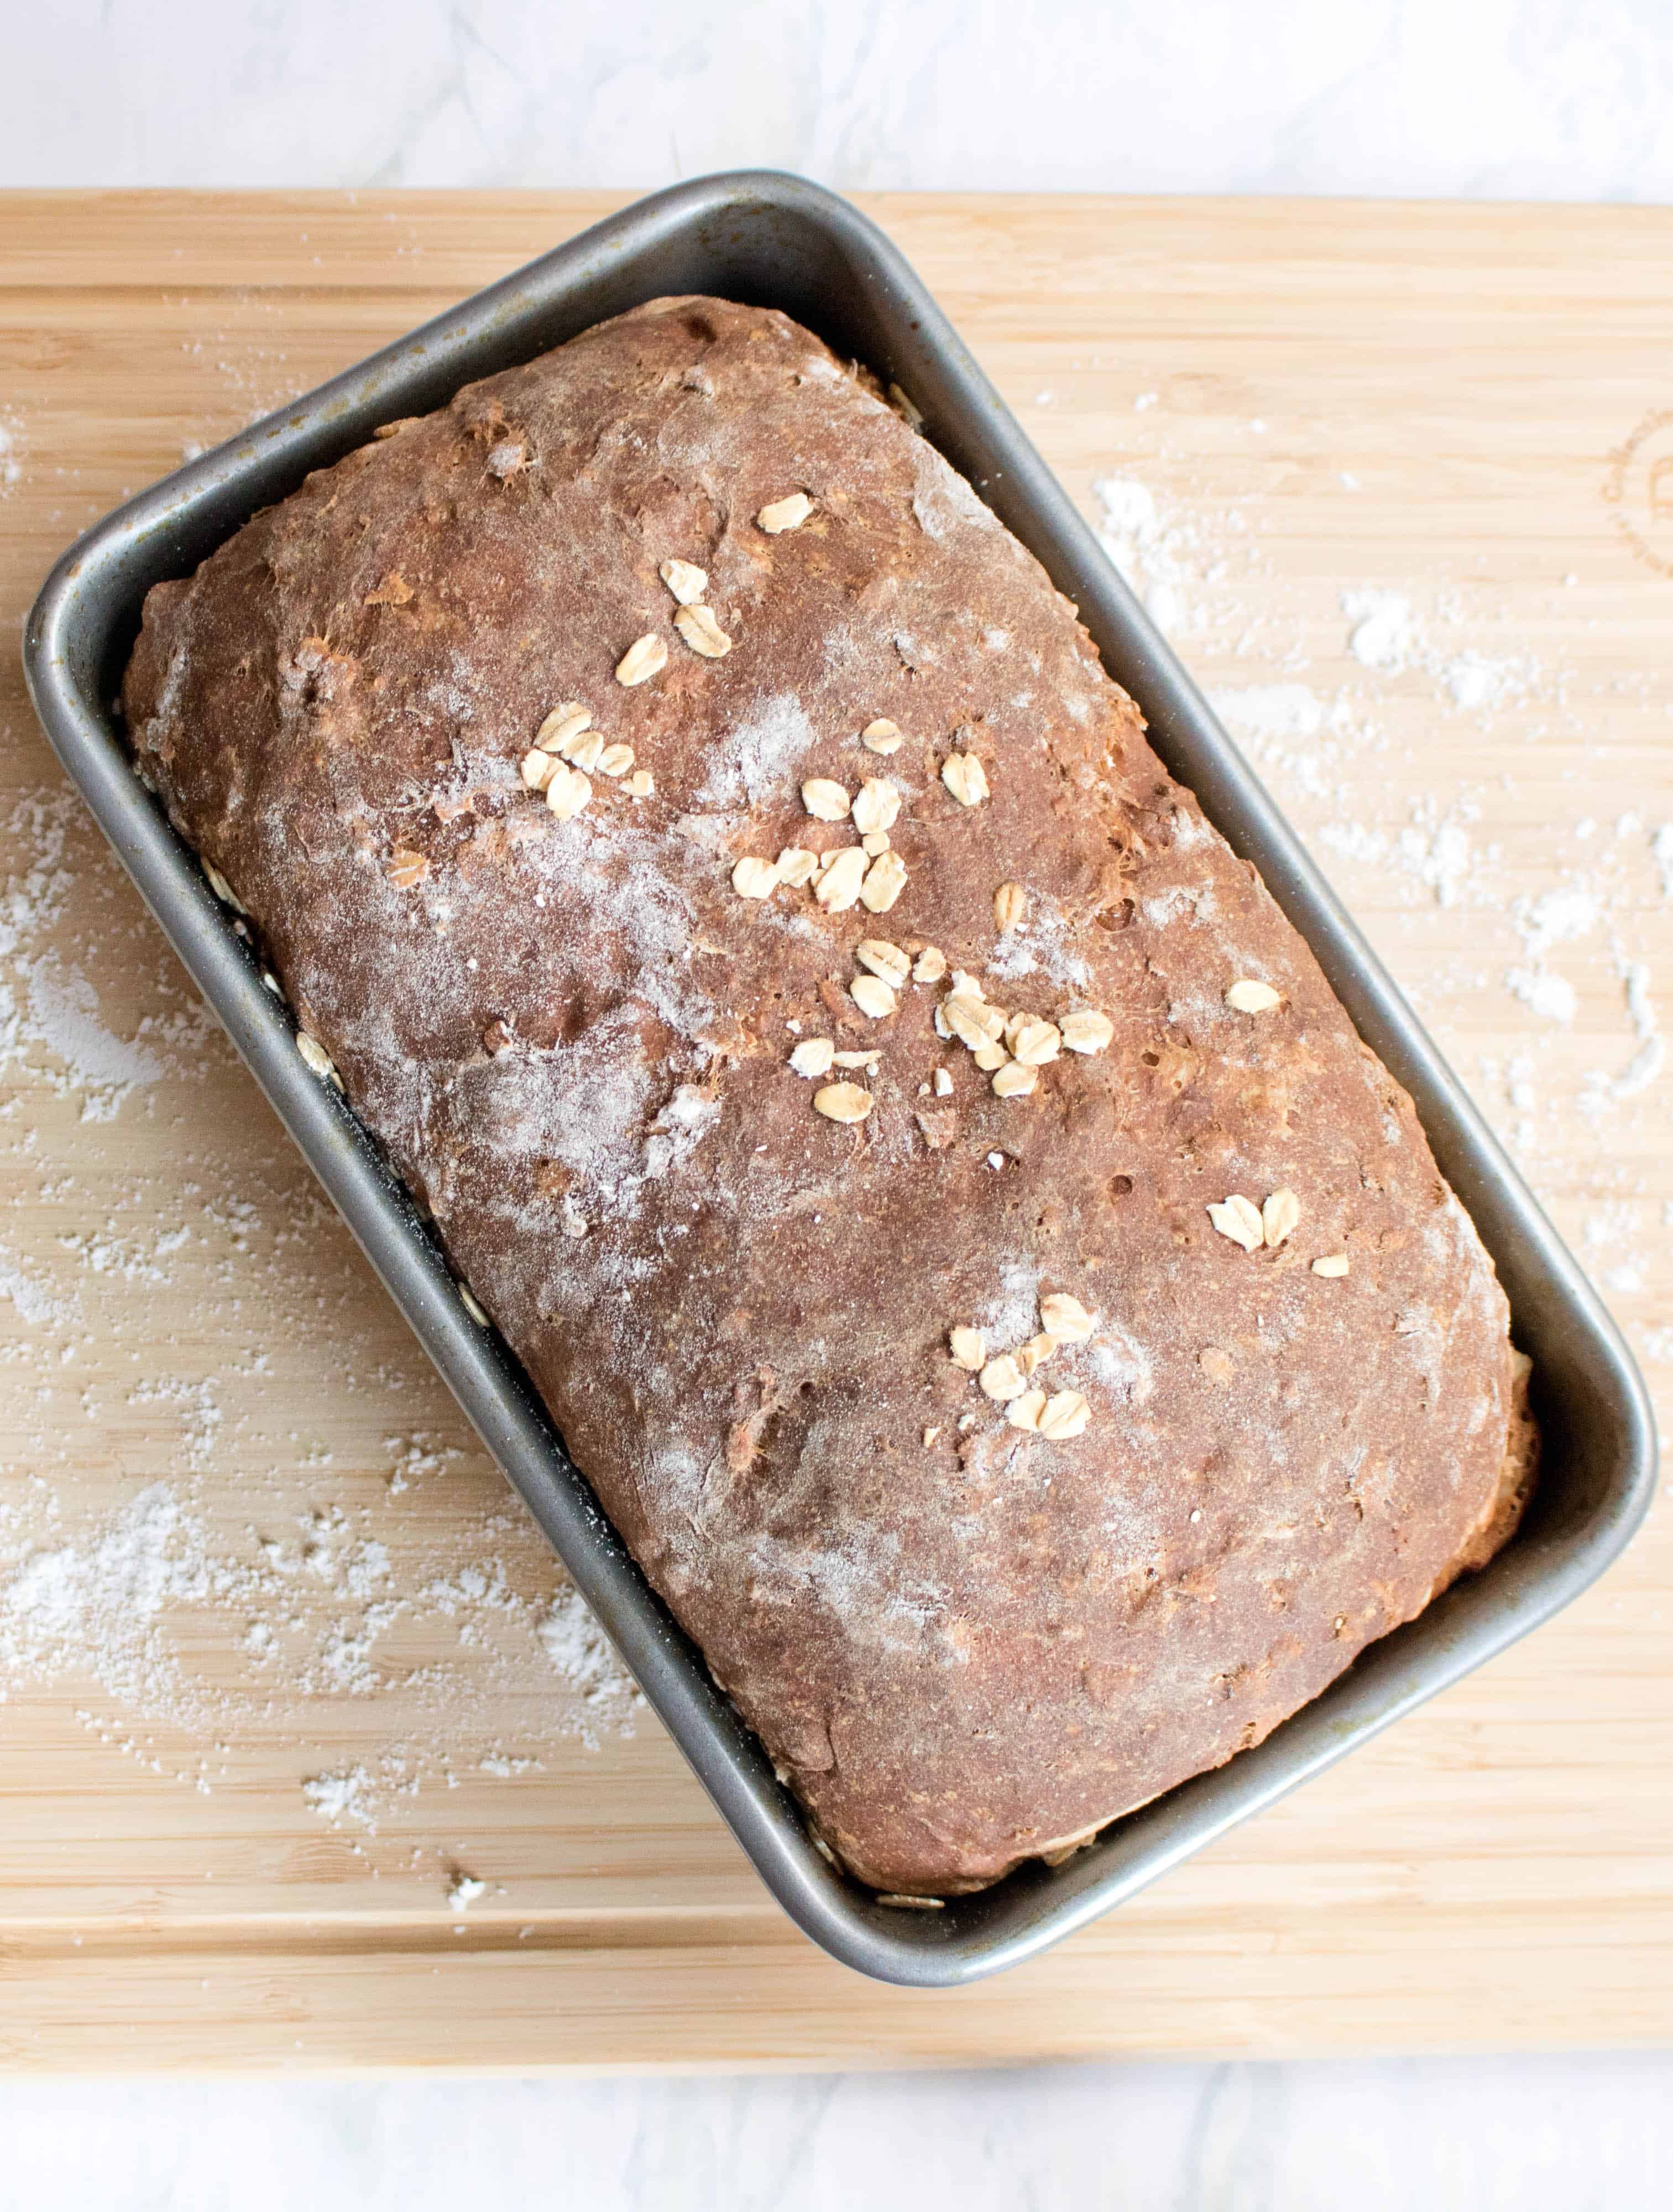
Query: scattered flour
[32, 1300]
[1383, 635]
[1271, 710]
[1160, 558]
[1559, 917]
[415, 1458]
[504, 1764]
[183, 1637]
[1647, 1062]
[97, 1607]
[1662, 850]
[1131, 528]
[584, 1657]
[50, 1022]
[199, 1415]
[1551, 997]
[64, 1014]
[1121, 1363]
[1436, 854]
[135, 1260]
[1439, 856]
[11, 453]
[340, 1797]
[1479, 685]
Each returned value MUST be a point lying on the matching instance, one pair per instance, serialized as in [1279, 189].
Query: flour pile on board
[100, 1608]
[340, 1797]
[51, 1023]
[585, 1658]
[32, 1301]
[1166, 556]
[1383, 634]
[1277, 710]
[1556, 917]
[465, 1891]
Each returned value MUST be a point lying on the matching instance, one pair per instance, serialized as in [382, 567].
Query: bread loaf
[1013, 1320]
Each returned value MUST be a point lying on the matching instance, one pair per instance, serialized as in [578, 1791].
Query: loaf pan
[776, 242]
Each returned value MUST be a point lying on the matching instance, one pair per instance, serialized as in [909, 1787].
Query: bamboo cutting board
[286, 1675]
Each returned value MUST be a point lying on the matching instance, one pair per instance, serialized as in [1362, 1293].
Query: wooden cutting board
[280, 1656]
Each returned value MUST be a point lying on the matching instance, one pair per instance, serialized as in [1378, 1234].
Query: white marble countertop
[1473, 2134]
[1510, 99]
[1537, 98]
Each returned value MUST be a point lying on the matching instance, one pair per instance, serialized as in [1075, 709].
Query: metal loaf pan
[776, 240]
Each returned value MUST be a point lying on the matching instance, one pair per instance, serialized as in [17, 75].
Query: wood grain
[1438, 402]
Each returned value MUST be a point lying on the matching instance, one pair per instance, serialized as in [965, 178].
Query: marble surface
[1537, 99]
[1547, 2134]
[1505, 98]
